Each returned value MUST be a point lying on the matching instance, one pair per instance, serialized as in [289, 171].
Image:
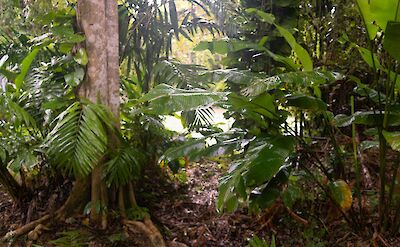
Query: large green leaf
[265, 17]
[391, 39]
[365, 10]
[165, 99]
[262, 105]
[290, 80]
[187, 149]
[341, 193]
[377, 14]
[265, 157]
[365, 90]
[225, 46]
[231, 188]
[393, 139]
[384, 11]
[81, 57]
[262, 169]
[25, 65]
[371, 59]
[225, 143]
[74, 78]
[306, 102]
[368, 118]
[300, 52]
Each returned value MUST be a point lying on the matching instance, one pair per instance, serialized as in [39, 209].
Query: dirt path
[189, 215]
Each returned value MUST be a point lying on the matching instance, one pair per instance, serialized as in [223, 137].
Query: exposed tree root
[148, 229]
[71, 205]
[25, 229]
[80, 194]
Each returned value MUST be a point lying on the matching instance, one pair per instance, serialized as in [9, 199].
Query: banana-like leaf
[80, 137]
[258, 109]
[187, 149]
[265, 157]
[164, 99]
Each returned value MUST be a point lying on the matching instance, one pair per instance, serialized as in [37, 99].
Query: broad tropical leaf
[341, 193]
[368, 118]
[290, 80]
[391, 40]
[164, 99]
[263, 161]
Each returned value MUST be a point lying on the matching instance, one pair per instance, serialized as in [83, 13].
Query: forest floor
[186, 214]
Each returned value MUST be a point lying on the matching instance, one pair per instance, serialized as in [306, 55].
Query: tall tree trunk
[98, 19]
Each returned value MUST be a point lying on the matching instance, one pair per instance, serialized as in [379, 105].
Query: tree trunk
[12, 187]
[98, 20]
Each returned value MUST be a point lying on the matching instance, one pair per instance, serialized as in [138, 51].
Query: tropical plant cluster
[310, 86]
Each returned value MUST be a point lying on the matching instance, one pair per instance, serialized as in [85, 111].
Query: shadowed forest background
[199, 123]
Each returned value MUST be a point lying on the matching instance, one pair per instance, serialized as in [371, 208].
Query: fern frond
[79, 139]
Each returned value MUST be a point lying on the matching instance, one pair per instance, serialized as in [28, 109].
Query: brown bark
[99, 22]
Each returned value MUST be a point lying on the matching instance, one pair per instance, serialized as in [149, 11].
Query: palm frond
[124, 166]
[198, 118]
[79, 139]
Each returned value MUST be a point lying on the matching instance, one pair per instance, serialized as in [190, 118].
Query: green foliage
[291, 80]
[138, 213]
[392, 39]
[25, 65]
[165, 99]
[124, 167]
[262, 162]
[71, 238]
[79, 138]
[257, 242]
